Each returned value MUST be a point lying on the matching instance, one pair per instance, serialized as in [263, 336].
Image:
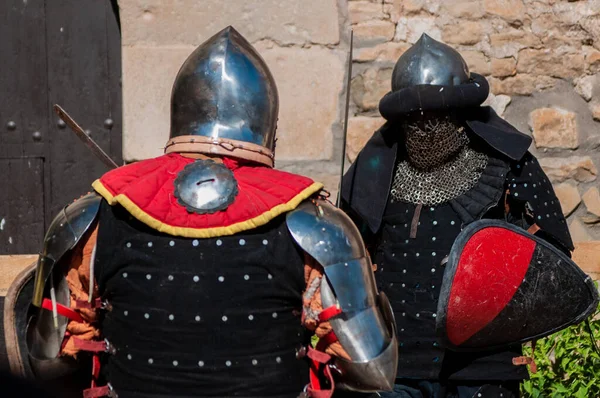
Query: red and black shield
[503, 286]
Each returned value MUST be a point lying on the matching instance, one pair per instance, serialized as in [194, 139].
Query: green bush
[567, 364]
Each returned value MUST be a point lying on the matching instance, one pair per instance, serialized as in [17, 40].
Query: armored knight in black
[441, 162]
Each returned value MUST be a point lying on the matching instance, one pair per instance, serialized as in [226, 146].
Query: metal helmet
[429, 62]
[224, 101]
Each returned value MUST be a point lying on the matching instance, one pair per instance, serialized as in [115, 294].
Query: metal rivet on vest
[219, 242]
[108, 123]
[125, 313]
[147, 316]
[435, 223]
[242, 242]
[433, 254]
[170, 277]
[148, 276]
[150, 361]
[149, 244]
[434, 238]
[221, 278]
[278, 360]
[195, 242]
[129, 356]
[175, 363]
[251, 317]
[418, 315]
[224, 318]
[265, 242]
[254, 362]
[196, 278]
[433, 270]
[270, 276]
[37, 136]
[417, 254]
[434, 315]
[228, 363]
[172, 243]
[124, 274]
[61, 124]
[404, 271]
[197, 318]
[201, 363]
[171, 317]
[404, 314]
[11, 125]
[246, 277]
[274, 315]
[128, 244]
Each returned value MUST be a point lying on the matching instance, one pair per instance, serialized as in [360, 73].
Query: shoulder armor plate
[364, 327]
[64, 233]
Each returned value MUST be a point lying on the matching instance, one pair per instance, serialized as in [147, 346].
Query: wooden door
[54, 51]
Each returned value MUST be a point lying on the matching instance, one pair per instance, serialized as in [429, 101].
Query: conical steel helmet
[429, 62]
[224, 101]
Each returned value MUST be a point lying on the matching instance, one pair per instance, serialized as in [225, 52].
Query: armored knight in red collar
[205, 272]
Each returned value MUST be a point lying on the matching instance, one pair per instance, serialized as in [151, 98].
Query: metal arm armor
[63, 235]
[365, 328]
[45, 334]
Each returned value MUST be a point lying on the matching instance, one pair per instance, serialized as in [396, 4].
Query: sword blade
[91, 144]
[347, 110]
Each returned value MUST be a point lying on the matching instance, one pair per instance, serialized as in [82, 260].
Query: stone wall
[542, 59]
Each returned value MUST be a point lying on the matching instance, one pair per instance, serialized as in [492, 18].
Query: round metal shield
[205, 187]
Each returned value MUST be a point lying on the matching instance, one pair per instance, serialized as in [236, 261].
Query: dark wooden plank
[23, 80]
[78, 80]
[22, 205]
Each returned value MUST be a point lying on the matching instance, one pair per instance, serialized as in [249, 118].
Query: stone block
[148, 76]
[477, 62]
[521, 84]
[463, 32]
[579, 232]
[410, 29]
[374, 31]
[385, 52]
[498, 103]
[360, 130]
[369, 87]
[361, 11]
[579, 168]
[584, 86]
[586, 257]
[509, 10]
[504, 67]
[591, 199]
[554, 128]
[508, 43]
[190, 22]
[592, 61]
[310, 82]
[550, 63]
[463, 9]
[595, 109]
[569, 197]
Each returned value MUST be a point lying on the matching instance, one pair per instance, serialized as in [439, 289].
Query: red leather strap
[92, 345]
[62, 310]
[96, 392]
[318, 366]
[329, 313]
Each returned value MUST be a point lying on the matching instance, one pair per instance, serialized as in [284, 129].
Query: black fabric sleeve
[532, 200]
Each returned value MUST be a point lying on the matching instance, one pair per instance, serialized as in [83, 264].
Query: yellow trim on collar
[213, 232]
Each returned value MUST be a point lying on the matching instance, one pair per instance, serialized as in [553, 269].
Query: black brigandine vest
[200, 317]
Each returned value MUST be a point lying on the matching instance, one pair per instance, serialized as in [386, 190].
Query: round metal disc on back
[205, 187]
